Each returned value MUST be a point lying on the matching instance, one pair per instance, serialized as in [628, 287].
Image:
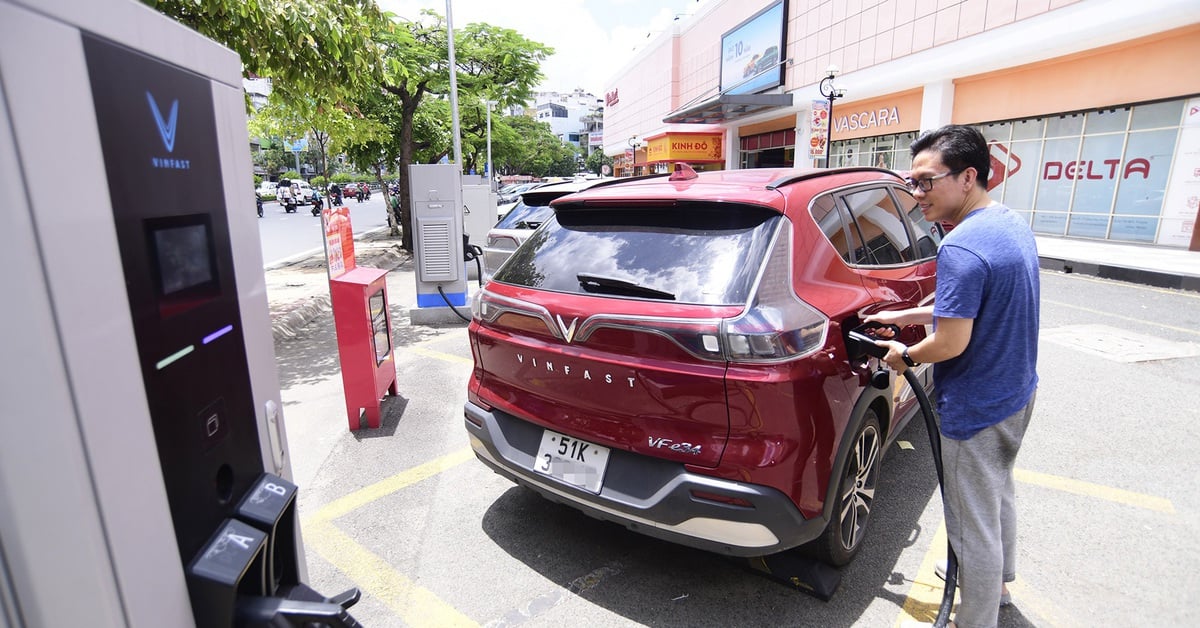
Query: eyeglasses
[926, 184]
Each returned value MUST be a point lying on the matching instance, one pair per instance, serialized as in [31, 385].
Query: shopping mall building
[1092, 107]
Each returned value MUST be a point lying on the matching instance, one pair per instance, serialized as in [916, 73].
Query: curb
[289, 325]
[1157, 279]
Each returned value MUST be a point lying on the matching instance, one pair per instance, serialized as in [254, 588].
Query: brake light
[778, 325]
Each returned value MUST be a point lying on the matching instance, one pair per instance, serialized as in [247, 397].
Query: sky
[592, 39]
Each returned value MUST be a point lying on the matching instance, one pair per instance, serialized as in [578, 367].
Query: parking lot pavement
[1108, 517]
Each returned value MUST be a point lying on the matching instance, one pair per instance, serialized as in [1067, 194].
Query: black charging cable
[860, 341]
[470, 252]
[935, 446]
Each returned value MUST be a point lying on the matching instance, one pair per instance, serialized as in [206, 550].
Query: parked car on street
[669, 353]
[531, 209]
[512, 195]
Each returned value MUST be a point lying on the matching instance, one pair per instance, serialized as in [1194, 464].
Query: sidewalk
[1150, 265]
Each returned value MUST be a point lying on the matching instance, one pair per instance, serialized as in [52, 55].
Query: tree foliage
[305, 46]
[597, 160]
[493, 63]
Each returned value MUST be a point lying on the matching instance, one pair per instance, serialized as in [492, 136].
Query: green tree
[304, 46]
[324, 121]
[493, 63]
[597, 160]
[272, 156]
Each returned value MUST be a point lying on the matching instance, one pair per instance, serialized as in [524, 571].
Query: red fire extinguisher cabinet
[364, 337]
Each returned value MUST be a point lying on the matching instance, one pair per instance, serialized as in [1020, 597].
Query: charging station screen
[379, 327]
[181, 255]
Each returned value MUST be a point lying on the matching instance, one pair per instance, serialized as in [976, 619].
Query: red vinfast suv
[669, 353]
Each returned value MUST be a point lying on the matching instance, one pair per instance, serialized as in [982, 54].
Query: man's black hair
[961, 147]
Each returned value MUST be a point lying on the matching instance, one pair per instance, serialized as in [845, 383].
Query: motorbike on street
[287, 196]
[317, 203]
[258, 201]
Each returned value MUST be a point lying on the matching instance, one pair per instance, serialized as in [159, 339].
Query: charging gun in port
[861, 340]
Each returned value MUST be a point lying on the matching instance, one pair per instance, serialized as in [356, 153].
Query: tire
[857, 481]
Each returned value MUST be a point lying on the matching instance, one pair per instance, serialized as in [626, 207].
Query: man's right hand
[902, 318]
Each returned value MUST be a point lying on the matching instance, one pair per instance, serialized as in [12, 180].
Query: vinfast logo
[567, 332]
[166, 131]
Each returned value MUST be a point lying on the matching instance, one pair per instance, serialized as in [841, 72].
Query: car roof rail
[812, 174]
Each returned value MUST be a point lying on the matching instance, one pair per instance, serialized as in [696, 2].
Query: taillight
[778, 325]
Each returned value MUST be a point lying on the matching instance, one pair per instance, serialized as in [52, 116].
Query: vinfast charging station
[144, 468]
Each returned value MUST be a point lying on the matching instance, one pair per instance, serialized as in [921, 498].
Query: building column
[937, 105]
[733, 149]
[803, 154]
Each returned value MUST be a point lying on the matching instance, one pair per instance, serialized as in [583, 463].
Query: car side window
[929, 235]
[833, 223]
[881, 227]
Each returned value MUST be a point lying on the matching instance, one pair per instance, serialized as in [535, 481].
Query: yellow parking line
[448, 357]
[1087, 489]
[363, 496]
[925, 593]
[415, 605]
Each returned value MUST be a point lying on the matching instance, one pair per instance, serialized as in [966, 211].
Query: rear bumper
[648, 495]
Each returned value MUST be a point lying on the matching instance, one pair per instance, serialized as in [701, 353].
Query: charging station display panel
[158, 133]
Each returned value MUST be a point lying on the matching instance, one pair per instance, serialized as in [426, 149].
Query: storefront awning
[729, 107]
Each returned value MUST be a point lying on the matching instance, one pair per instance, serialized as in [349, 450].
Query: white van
[305, 195]
[267, 188]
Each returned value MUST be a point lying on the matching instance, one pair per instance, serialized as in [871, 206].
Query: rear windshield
[705, 254]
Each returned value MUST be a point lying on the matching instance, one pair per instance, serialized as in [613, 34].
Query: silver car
[528, 214]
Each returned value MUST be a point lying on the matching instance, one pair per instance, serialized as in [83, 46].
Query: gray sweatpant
[981, 518]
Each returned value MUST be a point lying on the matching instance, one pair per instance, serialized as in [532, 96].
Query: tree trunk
[408, 112]
[393, 225]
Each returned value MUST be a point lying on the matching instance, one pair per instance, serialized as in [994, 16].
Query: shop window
[1064, 125]
[1095, 174]
[1107, 121]
[996, 131]
[1157, 115]
[1027, 129]
[1015, 168]
[1140, 195]
[1056, 170]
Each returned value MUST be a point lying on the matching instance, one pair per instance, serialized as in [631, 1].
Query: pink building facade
[1092, 106]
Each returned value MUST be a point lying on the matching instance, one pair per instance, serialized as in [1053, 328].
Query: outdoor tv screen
[751, 53]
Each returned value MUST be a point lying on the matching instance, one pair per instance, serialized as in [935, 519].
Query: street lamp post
[491, 175]
[828, 90]
[635, 143]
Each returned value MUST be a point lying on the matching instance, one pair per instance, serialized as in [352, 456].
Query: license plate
[576, 462]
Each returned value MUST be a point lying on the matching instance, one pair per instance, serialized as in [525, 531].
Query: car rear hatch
[612, 325]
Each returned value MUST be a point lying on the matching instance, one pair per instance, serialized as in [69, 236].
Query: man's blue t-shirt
[987, 270]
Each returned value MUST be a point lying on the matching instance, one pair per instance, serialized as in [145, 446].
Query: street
[284, 236]
[1107, 516]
